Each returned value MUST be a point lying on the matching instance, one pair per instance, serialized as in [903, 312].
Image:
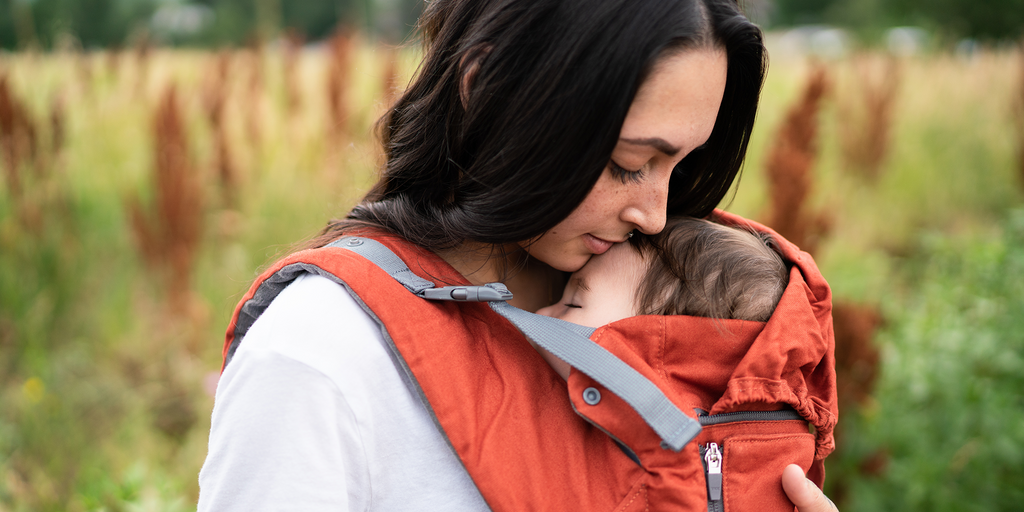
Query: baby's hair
[701, 268]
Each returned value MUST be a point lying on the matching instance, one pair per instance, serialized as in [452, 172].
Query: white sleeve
[312, 415]
[282, 436]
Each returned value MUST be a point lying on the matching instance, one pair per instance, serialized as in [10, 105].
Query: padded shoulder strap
[567, 341]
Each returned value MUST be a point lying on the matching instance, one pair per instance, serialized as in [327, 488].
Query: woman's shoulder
[314, 369]
[316, 321]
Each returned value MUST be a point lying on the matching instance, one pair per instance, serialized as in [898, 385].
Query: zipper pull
[713, 456]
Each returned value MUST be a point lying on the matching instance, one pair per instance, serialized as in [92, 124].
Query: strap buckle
[490, 292]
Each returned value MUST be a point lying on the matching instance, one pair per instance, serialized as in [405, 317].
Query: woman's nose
[647, 207]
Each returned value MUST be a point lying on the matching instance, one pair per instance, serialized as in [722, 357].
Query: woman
[536, 134]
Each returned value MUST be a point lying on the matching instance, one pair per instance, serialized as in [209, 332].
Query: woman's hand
[803, 493]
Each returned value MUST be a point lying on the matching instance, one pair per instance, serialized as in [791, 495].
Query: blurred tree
[95, 23]
[801, 12]
[316, 19]
[107, 23]
[981, 19]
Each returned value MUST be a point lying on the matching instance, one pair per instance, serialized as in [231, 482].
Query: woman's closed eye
[625, 175]
[573, 306]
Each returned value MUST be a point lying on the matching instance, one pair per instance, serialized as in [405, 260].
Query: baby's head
[693, 267]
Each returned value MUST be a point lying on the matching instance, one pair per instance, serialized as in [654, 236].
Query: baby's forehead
[578, 281]
[622, 258]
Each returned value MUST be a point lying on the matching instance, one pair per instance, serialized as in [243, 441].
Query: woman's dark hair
[513, 154]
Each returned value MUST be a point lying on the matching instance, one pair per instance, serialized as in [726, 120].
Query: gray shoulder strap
[567, 341]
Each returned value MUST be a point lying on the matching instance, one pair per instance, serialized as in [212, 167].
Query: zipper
[726, 417]
[711, 454]
[711, 457]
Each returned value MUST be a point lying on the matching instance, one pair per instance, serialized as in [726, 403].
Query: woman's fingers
[803, 493]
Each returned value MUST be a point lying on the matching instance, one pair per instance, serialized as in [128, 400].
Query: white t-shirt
[312, 415]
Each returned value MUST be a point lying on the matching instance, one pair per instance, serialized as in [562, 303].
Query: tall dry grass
[169, 233]
[291, 55]
[143, 53]
[858, 364]
[126, 428]
[254, 91]
[865, 114]
[214, 95]
[18, 138]
[389, 83]
[789, 168]
[791, 175]
[338, 79]
[30, 151]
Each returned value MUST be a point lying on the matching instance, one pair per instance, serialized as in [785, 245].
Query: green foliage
[949, 412]
[235, 21]
[96, 23]
[982, 19]
[933, 242]
[93, 371]
[116, 23]
[986, 19]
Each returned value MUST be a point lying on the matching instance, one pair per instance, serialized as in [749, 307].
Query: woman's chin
[571, 262]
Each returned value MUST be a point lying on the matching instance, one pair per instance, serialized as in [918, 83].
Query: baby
[693, 267]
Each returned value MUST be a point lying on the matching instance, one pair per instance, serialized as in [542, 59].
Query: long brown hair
[553, 83]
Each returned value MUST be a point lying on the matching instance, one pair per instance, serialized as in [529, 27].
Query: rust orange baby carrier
[764, 392]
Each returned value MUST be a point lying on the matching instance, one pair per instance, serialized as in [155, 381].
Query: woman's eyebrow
[655, 142]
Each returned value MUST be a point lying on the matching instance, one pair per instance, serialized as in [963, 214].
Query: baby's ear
[469, 66]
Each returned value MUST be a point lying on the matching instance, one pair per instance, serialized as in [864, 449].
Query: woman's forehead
[676, 107]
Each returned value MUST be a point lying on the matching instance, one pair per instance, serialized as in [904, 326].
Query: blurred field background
[144, 186]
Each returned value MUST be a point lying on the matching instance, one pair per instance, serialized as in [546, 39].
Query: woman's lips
[597, 245]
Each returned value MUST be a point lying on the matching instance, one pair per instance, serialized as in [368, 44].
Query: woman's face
[672, 114]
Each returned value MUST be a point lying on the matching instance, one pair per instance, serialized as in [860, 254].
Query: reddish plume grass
[113, 60]
[143, 52]
[866, 116]
[293, 42]
[790, 164]
[254, 90]
[84, 67]
[857, 369]
[214, 92]
[58, 125]
[341, 48]
[27, 159]
[214, 102]
[19, 141]
[168, 237]
[9, 144]
[389, 84]
[856, 356]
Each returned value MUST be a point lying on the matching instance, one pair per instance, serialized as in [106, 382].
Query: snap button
[354, 242]
[591, 396]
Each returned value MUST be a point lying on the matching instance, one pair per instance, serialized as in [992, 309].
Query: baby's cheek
[552, 311]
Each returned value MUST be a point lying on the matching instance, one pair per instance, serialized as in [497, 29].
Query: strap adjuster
[487, 293]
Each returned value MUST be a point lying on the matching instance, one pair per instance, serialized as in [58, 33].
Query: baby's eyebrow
[581, 284]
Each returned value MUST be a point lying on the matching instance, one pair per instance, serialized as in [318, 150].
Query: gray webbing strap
[567, 341]
[381, 256]
[675, 428]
